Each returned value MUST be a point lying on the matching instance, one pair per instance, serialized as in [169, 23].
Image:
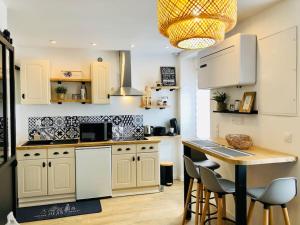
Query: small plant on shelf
[61, 91]
[220, 98]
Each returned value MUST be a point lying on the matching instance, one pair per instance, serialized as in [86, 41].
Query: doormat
[60, 210]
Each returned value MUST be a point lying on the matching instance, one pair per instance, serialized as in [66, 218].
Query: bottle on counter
[83, 92]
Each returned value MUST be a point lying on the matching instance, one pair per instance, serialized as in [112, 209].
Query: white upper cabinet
[230, 63]
[100, 75]
[35, 83]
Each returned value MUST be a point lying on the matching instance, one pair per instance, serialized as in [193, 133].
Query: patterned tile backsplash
[67, 127]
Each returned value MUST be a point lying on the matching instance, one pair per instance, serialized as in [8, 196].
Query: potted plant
[61, 91]
[220, 98]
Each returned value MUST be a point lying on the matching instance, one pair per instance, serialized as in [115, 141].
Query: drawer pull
[26, 155]
[133, 158]
[44, 164]
[56, 153]
[50, 164]
[128, 149]
[119, 149]
[151, 147]
[66, 153]
[37, 154]
[143, 148]
[138, 158]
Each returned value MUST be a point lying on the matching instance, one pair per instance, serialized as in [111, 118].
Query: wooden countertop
[260, 155]
[90, 144]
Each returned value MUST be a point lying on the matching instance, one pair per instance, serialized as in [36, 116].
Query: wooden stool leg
[220, 211]
[201, 198]
[266, 216]
[271, 216]
[206, 206]
[197, 204]
[286, 215]
[187, 200]
[224, 206]
[250, 212]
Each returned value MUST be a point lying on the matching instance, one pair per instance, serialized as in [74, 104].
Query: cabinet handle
[119, 149]
[26, 155]
[138, 158]
[50, 164]
[133, 158]
[202, 66]
[37, 154]
[143, 148]
[23, 96]
[151, 147]
[108, 96]
[44, 164]
[128, 149]
[56, 153]
[66, 153]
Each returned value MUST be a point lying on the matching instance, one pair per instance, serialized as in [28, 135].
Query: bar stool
[278, 193]
[193, 173]
[220, 187]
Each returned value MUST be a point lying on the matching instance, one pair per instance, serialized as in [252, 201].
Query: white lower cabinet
[136, 169]
[123, 171]
[61, 176]
[45, 179]
[32, 178]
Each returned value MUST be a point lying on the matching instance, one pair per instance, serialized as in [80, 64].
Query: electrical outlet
[288, 137]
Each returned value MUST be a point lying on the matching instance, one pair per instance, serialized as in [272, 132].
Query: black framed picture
[168, 76]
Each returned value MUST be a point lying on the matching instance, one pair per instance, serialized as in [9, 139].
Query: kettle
[148, 130]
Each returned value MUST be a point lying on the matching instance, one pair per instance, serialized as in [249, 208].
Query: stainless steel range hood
[125, 77]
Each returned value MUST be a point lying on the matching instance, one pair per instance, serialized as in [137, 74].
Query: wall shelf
[60, 101]
[62, 79]
[254, 112]
[171, 88]
[154, 107]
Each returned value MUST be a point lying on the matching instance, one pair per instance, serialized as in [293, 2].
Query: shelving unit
[154, 107]
[254, 112]
[60, 101]
[62, 79]
[171, 88]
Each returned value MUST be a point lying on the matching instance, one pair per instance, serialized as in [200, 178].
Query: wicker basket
[239, 141]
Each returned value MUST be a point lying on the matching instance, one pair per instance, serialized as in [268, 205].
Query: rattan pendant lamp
[196, 24]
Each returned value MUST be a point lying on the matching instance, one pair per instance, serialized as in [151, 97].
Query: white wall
[3, 16]
[266, 131]
[145, 71]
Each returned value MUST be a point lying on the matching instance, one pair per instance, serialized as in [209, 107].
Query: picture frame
[247, 102]
[168, 76]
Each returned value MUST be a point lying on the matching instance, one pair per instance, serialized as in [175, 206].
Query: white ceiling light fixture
[93, 44]
[53, 42]
[132, 46]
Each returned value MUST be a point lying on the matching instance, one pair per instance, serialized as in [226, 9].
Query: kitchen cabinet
[123, 171]
[100, 76]
[35, 83]
[45, 176]
[135, 166]
[147, 169]
[61, 176]
[32, 178]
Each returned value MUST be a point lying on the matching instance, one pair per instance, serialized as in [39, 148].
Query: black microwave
[90, 132]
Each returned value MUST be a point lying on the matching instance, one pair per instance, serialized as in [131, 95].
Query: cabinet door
[147, 169]
[35, 83]
[100, 75]
[61, 176]
[123, 171]
[32, 178]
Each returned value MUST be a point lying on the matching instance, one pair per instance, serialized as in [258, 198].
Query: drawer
[32, 154]
[61, 153]
[147, 148]
[123, 149]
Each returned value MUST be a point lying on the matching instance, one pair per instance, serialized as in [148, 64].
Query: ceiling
[111, 24]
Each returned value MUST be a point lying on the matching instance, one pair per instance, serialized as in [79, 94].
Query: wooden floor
[163, 208]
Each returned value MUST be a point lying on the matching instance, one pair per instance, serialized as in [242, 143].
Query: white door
[100, 75]
[32, 178]
[147, 169]
[35, 83]
[61, 176]
[123, 171]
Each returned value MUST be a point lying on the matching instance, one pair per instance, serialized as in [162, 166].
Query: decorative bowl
[239, 141]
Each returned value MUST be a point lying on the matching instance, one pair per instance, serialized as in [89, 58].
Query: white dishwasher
[93, 172]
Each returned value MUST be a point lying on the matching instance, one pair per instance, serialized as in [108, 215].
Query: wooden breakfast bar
[198, 149]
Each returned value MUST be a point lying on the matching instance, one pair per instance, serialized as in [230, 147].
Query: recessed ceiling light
[53, 42]
[93, 44]
[132, 45]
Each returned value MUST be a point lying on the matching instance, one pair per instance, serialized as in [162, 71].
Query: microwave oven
[92, 132]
